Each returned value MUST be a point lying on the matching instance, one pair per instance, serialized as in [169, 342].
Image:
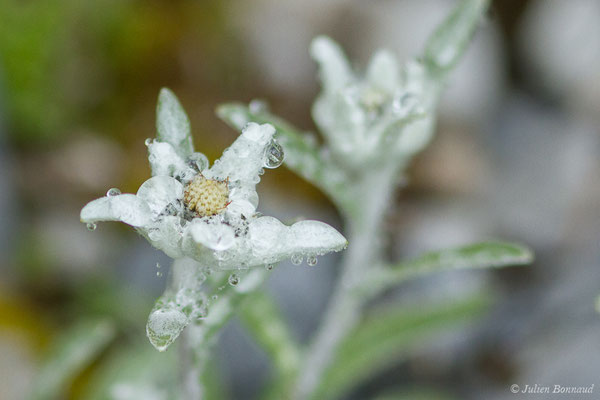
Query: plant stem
[191, 366]
[372, 196]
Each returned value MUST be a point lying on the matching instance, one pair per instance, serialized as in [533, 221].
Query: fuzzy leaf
[335, 71]
[74, 350]
[302, 154]
[449, 41]
[474, 256]
[264, 320]
[387, 336]
[134, 371]
[172, 123]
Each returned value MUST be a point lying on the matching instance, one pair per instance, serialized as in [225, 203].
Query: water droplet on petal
[233, 279]
[216, 237]
[91, 226]
[198, 161]
[273, 155]
[113, 192]
[311, 260]
[269, 266]
[154, 234]
[297, 259]
[257, 106]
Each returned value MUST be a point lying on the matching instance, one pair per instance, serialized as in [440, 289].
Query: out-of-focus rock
[560, 42]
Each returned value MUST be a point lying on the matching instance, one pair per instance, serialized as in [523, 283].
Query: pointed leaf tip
[172, 123]
[335, 70]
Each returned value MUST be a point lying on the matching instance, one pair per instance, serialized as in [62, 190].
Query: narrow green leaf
[172, 123]
[73, 351]
[474, 256]
[212, 380]
[387, 336]
[263, 319]
[134, 371]
[302, 153]
[449, 41]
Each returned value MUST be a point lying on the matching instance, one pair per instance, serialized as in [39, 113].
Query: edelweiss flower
[363, 119]
[209, 214]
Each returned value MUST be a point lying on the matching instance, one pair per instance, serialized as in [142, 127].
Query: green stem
[344, 309]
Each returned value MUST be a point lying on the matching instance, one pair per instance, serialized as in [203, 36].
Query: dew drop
[312, 260]
[273, 155]
[154, 234]
[215, 297]
[257, 106]
[159, 273]
[198, 161]
[147, 142]
[297, 259]
[233, 279]
[112, 192]
[164, 325]
[91, 226]
[269, 267]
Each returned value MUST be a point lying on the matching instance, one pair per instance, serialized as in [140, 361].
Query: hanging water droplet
[273, 155]
[113, 192]
[158, 266]
[312, 260]
[404, 104]
[91, 226]
[233, 279]
[269, 266]
[164, 325]
[297, 259]
[159, 273]
[148, 141]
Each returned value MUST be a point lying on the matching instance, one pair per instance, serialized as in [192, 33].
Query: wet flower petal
[216, 237]
[166, 235]
[127, 208]
[164, 161]
[316, 237]
[172, 123]
[160, 193]
[272, 241]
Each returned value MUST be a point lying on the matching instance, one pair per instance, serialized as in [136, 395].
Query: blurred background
[516, 157]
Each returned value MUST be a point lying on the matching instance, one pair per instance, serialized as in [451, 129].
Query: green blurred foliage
[67, 65]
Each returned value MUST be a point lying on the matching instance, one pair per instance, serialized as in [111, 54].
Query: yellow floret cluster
[206, 196]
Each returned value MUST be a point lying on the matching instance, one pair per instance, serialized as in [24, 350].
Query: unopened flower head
[364, 118]
[188, 209]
